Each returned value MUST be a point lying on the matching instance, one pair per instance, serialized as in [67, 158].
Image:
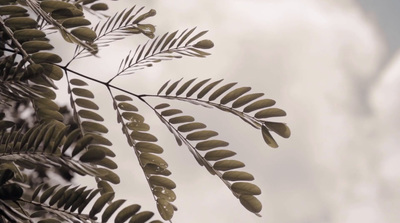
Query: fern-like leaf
[207, 152]
[167, 47]
[255, 112]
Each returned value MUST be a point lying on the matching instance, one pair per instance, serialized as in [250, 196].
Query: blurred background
[332, 65]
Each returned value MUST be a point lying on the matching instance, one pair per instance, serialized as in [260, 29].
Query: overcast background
[333, 65]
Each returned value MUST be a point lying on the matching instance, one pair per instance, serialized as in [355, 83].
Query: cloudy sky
[333, 65]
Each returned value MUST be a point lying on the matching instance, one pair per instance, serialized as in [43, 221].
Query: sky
[332, 65]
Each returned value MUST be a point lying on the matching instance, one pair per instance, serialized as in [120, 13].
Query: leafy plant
[52, 142]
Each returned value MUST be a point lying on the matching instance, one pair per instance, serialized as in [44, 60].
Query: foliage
[52, 142]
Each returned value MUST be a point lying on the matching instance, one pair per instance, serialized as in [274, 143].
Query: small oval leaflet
[141, 217]
[94, 127]
[111, 209]
[146, 158]
[263, 103]
[246, 99]
[251, 203]
[148, 147]
[90, 115]
[100, 203]
[279, 128]
[92, 155]
[162, 181]
[234, 94]
[220, 91]
[170, 112]
[43, 57]
[127, 107]
[268, 138]
[84, 33]
[225, 165]
[78, 82]
[191, 126]
[270, 112]
[122, 98]
[237, 176]
[204, 44]
[127, 212]
[142, 136]
[82, 92]
[181, 119]
[246, 188]
[165, 209]
[201, 135]
[210, 144]
[218, 154]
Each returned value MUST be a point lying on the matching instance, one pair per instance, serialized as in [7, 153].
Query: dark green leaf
[92, 155]
[268, 138]
[110, 210]
[126, 213]
[204, 44]
[161, 106]
[122, 98]
[28, 34]
[220, 91]
[141, 217]
[201, 135]
[21, 23]
[142, 136]
[36, 46]
[90, 115]
[191, 126]
[100, 202]
[181, 119]
[270, 112]
[246, 188]
[99, 7]
[82, 92]
[162, 181]
[251, 203]
[196, 87]
[47, 193]
[170, 112]
[50, 6]
[75, 22]
[234, 94]
[11, 9]
[237, 176]
[210, 144]
[94, 127]
[84, 33]
[184, 87]
[147, 147]
[165, 209]
[279, 128]
[259, 104]
[86, 104]
[225, 165]
[172, 87]
[146, 158]
[43, 57]
[127, 107]
[162, 87]
[81, 144]
[246, 99]
[78, 82]
[138, 126]
[218, 154]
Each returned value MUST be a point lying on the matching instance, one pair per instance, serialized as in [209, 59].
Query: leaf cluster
[51, 142]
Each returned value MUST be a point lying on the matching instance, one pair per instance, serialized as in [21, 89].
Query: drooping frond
[167, 47]
[144, 144]
[64, 15]
[48, 145]
[67, 203]
[256, 112]
[209, 153]
[119, 26]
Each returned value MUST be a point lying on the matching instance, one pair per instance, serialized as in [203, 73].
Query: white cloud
[315, 58]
